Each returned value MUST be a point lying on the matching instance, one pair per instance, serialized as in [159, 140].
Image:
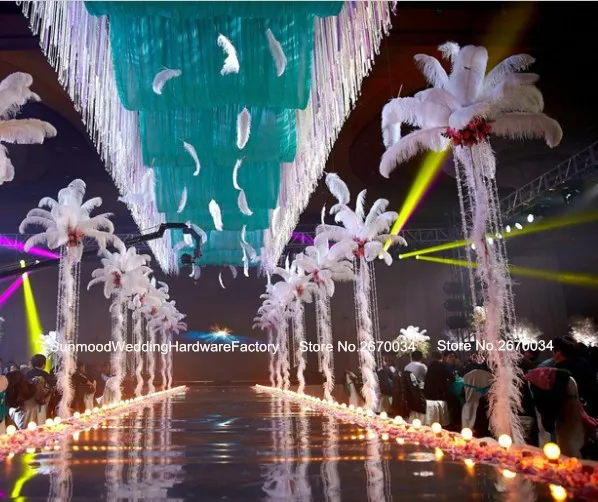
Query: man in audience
[437, 386]
[417, 367]
[44, 385]
[385, 380]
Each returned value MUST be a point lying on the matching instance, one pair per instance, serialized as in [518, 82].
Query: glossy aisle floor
[234, 445]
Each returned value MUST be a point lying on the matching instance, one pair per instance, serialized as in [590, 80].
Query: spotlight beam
[8, 292]
[570, 278]
[5, 242]
[568, 220]
[34, 328]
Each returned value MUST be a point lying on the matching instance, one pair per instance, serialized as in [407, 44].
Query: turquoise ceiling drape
[201, 106]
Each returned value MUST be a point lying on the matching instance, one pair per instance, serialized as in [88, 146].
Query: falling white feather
[323, 215]
[216, 215]
[242, 203]
[243, 128]
[280, 60]
[231, 63]
[183, 202]
[236, 174]
[162, 77]
[191, 151]
[233, 271]
[220, 280]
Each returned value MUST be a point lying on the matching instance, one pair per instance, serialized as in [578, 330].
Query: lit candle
[467, 434]
[31, 426]
[558, 492]
[469, 463]
[416, 423]
[49, 422]
[10, 430]
[398, 420]
[508, 474]
[552, 451]
[383, 415]
[505, 441]
[438, 453]
[436, 428]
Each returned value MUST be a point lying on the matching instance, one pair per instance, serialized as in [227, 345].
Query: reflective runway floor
[234, 445]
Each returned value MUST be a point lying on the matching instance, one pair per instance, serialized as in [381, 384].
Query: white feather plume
[584, 330]
[162, 77]
[360, 205]
[191, 151]
[338, 188]
[183, 201]
[216, 214]
[220, 280]
[323, 215]
[243, 128]
[233, 271]
[280, 60]
[242, 203]
[236, 174]
[231, 63]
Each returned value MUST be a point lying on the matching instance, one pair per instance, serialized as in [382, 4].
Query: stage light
[508, 229]
[518, 226]
[34, 328]
[22, 262]
[530, 218]
[8, 292]
[19, 246]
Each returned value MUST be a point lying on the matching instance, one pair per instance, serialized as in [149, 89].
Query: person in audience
[84, 389]
[529, 361]
[475, 362]
[451, 360]
[417, 367]
[19, 395]
[12, 366]
[566, 357]
[44, 385]
[438, 384]
[385, 378]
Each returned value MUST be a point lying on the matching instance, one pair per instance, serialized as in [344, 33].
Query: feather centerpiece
[14, 93]
[412, 338]
[584, 330]
[525, 333]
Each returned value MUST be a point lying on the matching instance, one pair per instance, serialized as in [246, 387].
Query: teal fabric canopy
[200, 105]
[213, 134]
[244, 9]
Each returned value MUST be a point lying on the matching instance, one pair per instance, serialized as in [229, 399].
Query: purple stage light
[19, 246]
[8, 292]
[303, 238]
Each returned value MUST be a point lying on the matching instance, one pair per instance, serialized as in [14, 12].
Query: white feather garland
[191, 151]
[280, 60]
[236, 174]
[162, 77]
[183, 202]
[231, 63]
[243, 128]
[242, 203]
[220, 280]
[216, 214]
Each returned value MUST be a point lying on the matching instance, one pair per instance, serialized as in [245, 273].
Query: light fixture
[530, 218]
[490, 240]
[518, 226]
[473, 246]
[508, 229]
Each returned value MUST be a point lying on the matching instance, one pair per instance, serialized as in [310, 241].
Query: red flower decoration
[75, 237]
[360, 251]
[316, 277]
[299, 290]
[153, 311]
[116, 279]
[473, 133]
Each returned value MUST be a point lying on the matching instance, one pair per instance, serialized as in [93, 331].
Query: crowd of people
[29, 393]
[559, 393]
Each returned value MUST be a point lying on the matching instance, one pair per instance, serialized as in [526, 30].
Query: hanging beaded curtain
[213, 134]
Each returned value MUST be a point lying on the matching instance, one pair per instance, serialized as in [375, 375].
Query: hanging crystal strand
[373, 470]
[151, 363]
[169, 361]
[318, 309]
[117, 359]
[327, 368]
[375, 315]
[329, 469]
[291, 341]
[61, 477]
[279, 356]
[299, 337]
[356, 266]
[464, 228]
[285, 357]
[138, 340]
[115, 464]
[71, 275]
[303, 488]
[163, 341]
[271, 361]
[365, 339]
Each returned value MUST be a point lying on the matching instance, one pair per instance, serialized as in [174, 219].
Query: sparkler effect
[218, 334]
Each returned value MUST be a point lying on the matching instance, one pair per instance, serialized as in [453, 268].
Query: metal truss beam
[578, 168]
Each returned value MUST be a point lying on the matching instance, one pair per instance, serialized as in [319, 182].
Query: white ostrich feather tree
[584, 330]
[525, 332]
[68, 220]
[14, 93]
[412, 338]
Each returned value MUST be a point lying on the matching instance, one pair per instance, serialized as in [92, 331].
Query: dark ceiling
[559, 35]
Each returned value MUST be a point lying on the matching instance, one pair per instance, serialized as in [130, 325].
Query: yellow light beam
[567, 220]
[503, 34]
[570, 278]
[34, 328]
[27, 473]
